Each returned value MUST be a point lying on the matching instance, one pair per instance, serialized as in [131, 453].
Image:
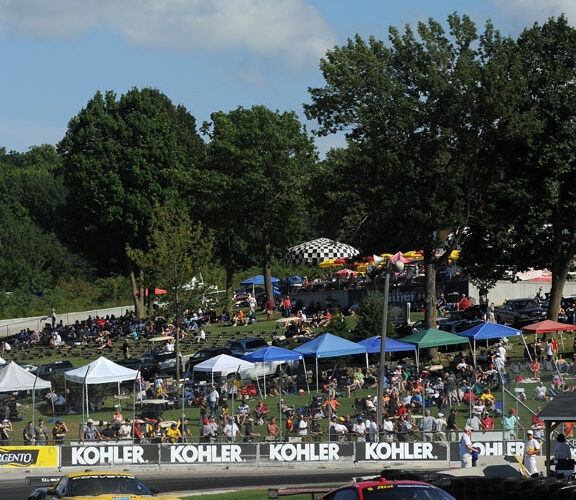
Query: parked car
[241, 347]
[48, 370]
[204, 354]
[460, 321]
[519, 312]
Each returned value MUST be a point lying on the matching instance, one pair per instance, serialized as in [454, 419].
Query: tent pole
[280, 403]
[305, 375]
[526, 346]
[367, 365]
[34, 400]
[317, 385]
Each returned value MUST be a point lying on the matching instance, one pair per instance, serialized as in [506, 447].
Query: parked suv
[48, 370]
[519, 312]
[241, 347]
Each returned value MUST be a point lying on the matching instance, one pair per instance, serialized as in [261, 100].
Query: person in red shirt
[464, 303]
[487, 422]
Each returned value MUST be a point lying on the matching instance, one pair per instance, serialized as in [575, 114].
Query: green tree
[260, 162]
[121, 157]
[419, 112]
[178, 250]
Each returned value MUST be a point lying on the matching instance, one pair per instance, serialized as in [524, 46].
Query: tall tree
[418, 111]
[261, 161]
[121, 157]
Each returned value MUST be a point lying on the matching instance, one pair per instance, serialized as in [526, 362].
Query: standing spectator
[388, 428]
[59, 432]
[451, 425]
[302, 426]
[5, 430]
[183, 428]
[173, 434]
[466, 448]
[125, 430]
[440, 425]
[338, 429]
[41, 433]
[269, 307]
[487, 422]
[213, 399]
[315, 429]
[464, 303]
[549, 350]
[451, 389]
[427, 426]
[28, 435]
[126, 348]
[509, 424]
[359, 429]
[286, 307]
[231, 430]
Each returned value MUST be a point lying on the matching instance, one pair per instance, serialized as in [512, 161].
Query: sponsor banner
[306, 452]
[226, 453]
[402, 451]
[490, 448]
[29, 456]
[109, 454]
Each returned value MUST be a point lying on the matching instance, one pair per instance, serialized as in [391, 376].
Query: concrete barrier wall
[15, 325]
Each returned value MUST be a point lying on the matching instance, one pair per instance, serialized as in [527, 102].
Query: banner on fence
[306, 452]
[109, 455]
[207, 453]
[402, 451]
[28, 456]
[491, 448]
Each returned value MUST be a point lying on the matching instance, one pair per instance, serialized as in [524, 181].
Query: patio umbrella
[345, 272]
[548, 326]
[319, 250]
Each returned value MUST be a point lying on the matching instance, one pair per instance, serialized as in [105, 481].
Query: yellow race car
[97, 486]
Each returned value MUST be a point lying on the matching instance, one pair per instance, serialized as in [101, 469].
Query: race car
[97, 486]
[387, 490]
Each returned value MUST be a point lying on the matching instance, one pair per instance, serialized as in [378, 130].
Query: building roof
[561, 409]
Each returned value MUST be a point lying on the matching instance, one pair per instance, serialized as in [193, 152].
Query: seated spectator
[249, 433]
[338, 429]
[90, 432]
[561, 364]
[242, 412]
[540, 393]
[173, 434]
[535, 369]
[272, 427]
[488, 399]
[261, 411]
[125, 430]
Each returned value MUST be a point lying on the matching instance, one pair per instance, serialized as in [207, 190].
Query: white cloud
[527, 12]
[287, 29]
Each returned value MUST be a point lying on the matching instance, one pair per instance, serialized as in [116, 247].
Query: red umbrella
[340, 262]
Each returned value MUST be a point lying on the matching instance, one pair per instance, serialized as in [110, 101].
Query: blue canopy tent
[257, 280]
[275, 354]
[372, 345]
[487, 331]
[298, 279]
[330, 346]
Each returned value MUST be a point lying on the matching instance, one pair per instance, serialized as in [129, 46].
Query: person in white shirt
[440, 425]
[338, 429]
[502, 352]
[466, 448]
[540, 392]
[125, 431]
[231, 430]
[388, 428]
[372, 430]
[302, 426]
[531, 449]
[359, 429]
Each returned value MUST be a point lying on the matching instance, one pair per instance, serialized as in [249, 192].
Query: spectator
[315, 429]
[40, 433]
[561, 364]
[231, 430]
[5, 430]
[388, 429]
[90, 432]
[439, 426]
[273, 429]
[338, 429]
[59, 432]
[510, 423]
[213, 399]
[466, 448]
[540, 392]
[359, 429]
[427, 426]
[173, 434]
[28, 435]
[249, 433]
[303, 426]
[125, 430]
[261, 411]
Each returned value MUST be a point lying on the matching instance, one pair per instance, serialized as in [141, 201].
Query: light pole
[394, 264]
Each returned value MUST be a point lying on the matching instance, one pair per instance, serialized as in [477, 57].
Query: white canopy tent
[15, 378]
[100, 371]
[223, 365]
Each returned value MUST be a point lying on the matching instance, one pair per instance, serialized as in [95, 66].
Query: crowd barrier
[97, 454]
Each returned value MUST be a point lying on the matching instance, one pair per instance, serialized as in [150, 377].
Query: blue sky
[208, 55]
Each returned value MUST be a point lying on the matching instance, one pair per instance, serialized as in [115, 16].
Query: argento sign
[18, 457]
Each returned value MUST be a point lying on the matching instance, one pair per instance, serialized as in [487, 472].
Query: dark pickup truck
[519, 312]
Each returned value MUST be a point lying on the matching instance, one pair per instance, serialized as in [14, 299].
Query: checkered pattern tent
[316, 251]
